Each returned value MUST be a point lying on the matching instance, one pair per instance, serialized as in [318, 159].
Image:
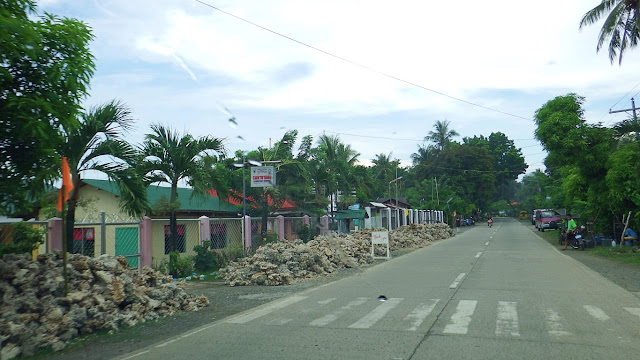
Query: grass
[622, 254]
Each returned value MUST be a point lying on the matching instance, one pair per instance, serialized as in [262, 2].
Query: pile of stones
[103, 293]
[287, 262]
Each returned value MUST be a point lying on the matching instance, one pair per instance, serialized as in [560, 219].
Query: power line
[358, 64]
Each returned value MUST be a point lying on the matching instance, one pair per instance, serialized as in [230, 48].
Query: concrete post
[388, 219]
[397, 218]
[324, 223]
[205, 229]
[146, 245]
[411, 219]
[55, 234]
[280, 228]
[306, 220]
[247, 233]
[103, 232]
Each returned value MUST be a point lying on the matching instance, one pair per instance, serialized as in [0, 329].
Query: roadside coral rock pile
[103, 294]
[417, 235]
[287, 262]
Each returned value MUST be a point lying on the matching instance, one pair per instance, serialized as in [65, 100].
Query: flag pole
[64, 247]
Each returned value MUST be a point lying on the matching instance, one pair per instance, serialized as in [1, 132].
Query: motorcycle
[490, 222]
[577, 242]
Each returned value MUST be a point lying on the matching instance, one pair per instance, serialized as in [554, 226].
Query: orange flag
[67, 184]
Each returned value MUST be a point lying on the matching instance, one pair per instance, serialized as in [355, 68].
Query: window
[84, 241]
[181, 240]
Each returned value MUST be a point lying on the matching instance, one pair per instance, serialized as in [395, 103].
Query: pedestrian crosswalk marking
[461, 319]
[325, 302]
[507, 323]
[420, 313]
[596, 312]
[634, 311]
[334, 315]
[376, 314]
[478, 254]
[554, 322]
[262, 311]
[486, 244]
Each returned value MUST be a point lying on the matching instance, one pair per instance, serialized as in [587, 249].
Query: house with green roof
[96, 196]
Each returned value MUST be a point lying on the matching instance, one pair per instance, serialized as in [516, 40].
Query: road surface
[488, 293]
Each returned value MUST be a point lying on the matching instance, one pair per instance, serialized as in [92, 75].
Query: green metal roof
[349, 214]
[188, 202]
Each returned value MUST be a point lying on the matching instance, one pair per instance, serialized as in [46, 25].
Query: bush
[235, 252]
[26, 238]
[180, 266]
[204, 259]
[304, 233]
[272, 238]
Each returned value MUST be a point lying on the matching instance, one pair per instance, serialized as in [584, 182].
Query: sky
[181, 63]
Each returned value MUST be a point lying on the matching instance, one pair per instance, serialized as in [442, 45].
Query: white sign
[263, 176]
[382, 238]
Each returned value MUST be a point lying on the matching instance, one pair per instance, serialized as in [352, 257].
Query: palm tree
[97, 144]
[337, 160]
[621, 25]
[170, 158]
[442, 135]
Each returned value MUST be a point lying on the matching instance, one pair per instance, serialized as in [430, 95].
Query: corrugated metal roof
[188, 202]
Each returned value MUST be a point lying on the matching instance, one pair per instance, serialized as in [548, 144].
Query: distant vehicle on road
[547, 219]
[533, 216]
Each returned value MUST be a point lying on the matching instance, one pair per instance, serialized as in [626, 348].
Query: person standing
[571, 226]
[457, 224]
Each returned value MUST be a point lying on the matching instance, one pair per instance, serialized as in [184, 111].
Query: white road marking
[334, 315]
[486, 244]
[279, 321]
[269, 308]
[461, 318]
[478, 254]
[420, 313]
[596, 312]
[456, 282]
[507, 323]
[554, 322]
[325, 302]
[634, 311]
[135, 355]
[376, 314]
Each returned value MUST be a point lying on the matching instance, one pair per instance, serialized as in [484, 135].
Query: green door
[127, 243]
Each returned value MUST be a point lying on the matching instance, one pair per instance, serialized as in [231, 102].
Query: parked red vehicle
[547, 219]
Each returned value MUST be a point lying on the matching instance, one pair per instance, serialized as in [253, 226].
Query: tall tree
[171, 158]
[442, 134]
[97, 144]
[45, 68]
[620, 27]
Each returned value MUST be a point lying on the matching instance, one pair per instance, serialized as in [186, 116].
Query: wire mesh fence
[7, 236]
[292, 227]
[182, 238]
[225, 233]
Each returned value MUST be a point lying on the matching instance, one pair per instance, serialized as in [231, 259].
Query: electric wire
[361, 65]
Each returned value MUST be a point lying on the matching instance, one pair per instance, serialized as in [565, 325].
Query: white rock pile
[288, 262]
[103, 294]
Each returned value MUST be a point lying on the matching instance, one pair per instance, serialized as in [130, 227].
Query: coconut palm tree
[97, 144]
[170, 158]
[620, 27]
[442, 135]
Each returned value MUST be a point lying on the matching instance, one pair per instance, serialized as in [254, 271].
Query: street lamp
[397, 207]
[243, 165]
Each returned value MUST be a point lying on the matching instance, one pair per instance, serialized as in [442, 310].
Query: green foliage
[45, 69]
[620, 27]
[180, 266]
[204, 259]
[305, 234]
[26, 238]
[234, 252]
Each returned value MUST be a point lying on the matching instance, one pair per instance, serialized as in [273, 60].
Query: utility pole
[633, 108]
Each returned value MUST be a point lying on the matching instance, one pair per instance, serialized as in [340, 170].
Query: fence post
[306, 220]
[55, 234]
[247, 233]
[324, 222]
[388, 210]
[280, 228]
[103, 232]
[145, 242]
[205, 229]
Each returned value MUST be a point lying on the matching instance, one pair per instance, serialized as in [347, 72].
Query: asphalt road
[488, 293]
